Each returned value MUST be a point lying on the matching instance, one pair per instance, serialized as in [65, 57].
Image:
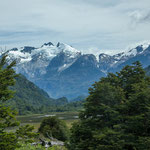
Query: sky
[88, 25]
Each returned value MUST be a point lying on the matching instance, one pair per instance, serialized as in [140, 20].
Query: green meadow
[36, 119]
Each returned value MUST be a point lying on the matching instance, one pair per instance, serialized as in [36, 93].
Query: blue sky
[89, 25]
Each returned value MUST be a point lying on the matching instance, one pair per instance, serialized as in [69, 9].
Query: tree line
[116, 114]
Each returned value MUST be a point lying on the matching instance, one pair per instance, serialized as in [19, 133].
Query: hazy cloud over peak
[82, 23]
[140, 16]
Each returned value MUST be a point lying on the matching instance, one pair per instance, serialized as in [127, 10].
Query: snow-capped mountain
[33, 61]
[115, 62]
[62, 70]
[46, 51]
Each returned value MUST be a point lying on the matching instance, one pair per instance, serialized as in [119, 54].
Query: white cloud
[140, 16]
[92, 23]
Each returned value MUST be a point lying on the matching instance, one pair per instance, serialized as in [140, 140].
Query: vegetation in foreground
[54, 127]
[24, 134]
[117, 113]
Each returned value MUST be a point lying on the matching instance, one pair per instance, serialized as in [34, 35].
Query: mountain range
[62, 70]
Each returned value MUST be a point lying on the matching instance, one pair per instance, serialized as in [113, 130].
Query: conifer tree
[10, 140]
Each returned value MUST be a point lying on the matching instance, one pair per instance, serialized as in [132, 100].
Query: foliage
[8, 140]
[25, 134]
[54, 127]
[7, 116]
[69, 106]
[117, 113]
[28, 97]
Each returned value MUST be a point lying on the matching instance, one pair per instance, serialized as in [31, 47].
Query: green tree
[9, 140]
[117, 113]
[54, 127]
[25, 134]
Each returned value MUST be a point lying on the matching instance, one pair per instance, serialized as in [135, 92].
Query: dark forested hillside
[28, 97]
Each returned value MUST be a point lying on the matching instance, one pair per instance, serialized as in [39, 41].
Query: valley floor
[35, 119]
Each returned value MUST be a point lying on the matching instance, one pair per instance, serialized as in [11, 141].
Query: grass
[35, 119]
[39, 147]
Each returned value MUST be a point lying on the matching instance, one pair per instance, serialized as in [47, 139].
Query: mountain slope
[140, 53]
[31, 99]
[28, 98]
[62, 70]
[75, 79]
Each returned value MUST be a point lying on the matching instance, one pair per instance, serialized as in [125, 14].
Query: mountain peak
[58, 44]
[65, 48]
[48, 44]
[143, 45]
[26, 49]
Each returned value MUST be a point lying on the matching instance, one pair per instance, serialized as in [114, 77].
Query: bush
[54, 127]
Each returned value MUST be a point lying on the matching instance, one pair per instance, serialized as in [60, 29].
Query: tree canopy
[9, 140]
[54, 127]
[7, 116]
[116, 114]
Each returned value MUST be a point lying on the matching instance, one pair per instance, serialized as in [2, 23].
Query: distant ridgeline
[29, 98]
[62, 70]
